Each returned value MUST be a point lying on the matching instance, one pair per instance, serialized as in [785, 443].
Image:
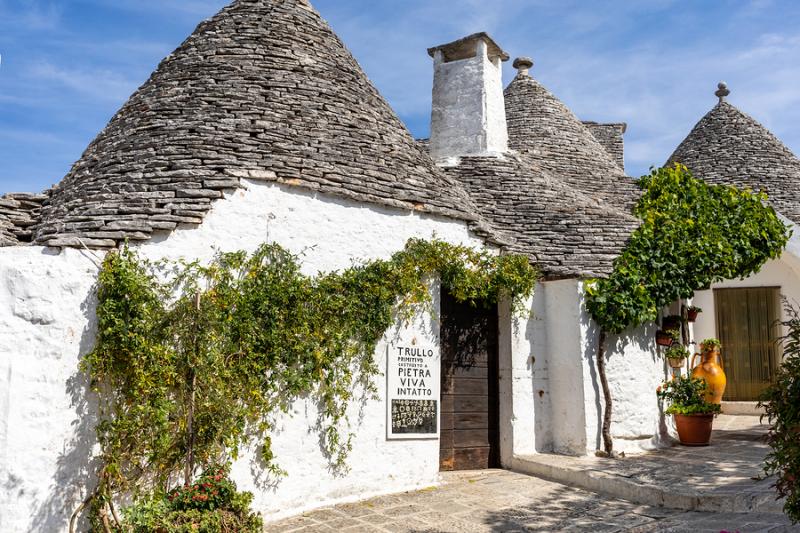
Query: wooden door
[470, 410]
[748, 328]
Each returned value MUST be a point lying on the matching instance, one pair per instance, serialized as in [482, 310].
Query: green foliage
[674, 334]
[211, 504]
[190, 369]
[781, 403]
[686, 396]
[692, 235]
[710, 344]
[677, 351]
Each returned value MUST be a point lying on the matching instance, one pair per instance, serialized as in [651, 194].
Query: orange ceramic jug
[710, 369]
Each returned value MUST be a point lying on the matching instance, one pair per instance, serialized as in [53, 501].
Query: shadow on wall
[270, 481]
[634, 353]
[76, 466]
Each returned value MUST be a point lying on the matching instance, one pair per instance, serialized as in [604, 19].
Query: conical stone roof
[565, 231]
[541, 126]
[729, 147]
[264, 90]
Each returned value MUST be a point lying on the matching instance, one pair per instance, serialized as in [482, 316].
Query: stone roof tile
[19, 213]
[729, 147]
[541, 126]
[263, 90]
[568, 233]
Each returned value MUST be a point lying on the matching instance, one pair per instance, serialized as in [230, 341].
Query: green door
[748, 325]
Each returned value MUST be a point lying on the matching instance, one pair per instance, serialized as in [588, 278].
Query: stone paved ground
[502, 501]
[725, 476]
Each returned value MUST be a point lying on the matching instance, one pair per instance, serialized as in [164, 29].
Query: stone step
[742, 408]
[576, 472]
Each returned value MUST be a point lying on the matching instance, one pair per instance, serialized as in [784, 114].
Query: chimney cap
[465, 48]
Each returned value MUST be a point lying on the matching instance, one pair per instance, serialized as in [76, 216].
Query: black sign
[414, 416]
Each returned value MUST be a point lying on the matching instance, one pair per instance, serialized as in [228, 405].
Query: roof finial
[722, 91]
[523, 64]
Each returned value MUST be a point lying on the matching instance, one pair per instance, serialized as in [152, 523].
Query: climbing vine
[188, 370]
[692, 235]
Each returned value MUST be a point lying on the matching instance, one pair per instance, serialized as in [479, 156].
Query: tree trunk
[188, 474]
[608, 444]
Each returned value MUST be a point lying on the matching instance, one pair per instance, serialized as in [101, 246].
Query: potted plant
[711, 345]
[692, 312]
[676, 355]
[694, 416]
[671, 322]
[667, 337]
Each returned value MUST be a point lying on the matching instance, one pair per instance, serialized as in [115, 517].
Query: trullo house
[261, 127]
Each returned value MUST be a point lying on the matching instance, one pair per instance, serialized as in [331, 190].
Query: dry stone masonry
[568, 233]
[265, 91]
[19, 212]
[729, 147]
[543, 127]
[610, 137]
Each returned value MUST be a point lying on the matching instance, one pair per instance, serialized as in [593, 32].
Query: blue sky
[68, 65]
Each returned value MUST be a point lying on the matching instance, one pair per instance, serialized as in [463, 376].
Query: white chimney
[469, 113]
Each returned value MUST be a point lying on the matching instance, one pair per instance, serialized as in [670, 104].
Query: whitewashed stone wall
[47, 324]
[783, 272]
[560, 400]
[46, 415]
[468, 115]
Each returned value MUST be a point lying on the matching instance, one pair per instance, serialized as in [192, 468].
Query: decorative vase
[691, 315]
[675, 362]
[694, 430]
[710, 369]
[663, 339]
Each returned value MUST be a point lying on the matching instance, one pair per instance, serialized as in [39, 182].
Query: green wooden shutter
[748, 325]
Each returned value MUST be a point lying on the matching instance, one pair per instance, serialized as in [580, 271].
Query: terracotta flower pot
[663, 339]
[691, 315]
[694, 430]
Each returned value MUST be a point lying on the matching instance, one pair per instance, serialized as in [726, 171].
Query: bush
[781, 403]
[210, 505]
[686, 396]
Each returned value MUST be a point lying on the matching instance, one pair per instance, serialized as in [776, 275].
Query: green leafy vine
[188, 370]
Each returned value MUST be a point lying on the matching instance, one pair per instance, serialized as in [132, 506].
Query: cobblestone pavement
[502, 501]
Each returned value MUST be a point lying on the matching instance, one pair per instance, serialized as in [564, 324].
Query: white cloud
[31, 15]
[98, 84]
[654, 65]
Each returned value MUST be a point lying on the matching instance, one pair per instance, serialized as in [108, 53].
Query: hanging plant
[692, 235]
[668, 337]
[692, 312]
